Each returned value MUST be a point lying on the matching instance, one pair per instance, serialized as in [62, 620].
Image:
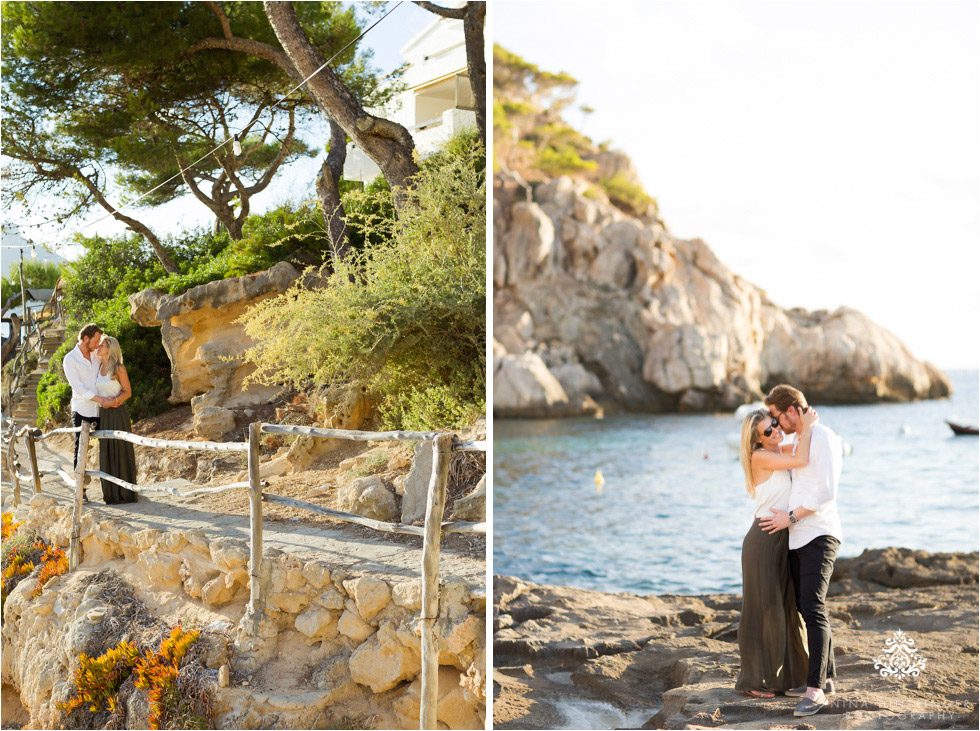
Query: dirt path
[347, 547]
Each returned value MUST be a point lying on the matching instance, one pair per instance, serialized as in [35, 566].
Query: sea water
[673, 510]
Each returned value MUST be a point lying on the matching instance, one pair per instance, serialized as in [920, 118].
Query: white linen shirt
[815, 488]
[81, 374]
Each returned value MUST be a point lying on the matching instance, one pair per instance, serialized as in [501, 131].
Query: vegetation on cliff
[22, 552]
[533, 139]
[99, 680]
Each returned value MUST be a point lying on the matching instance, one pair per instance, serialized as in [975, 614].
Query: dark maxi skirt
[116, 457]
[771, 634]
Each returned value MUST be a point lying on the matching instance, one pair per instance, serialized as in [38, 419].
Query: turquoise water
[674, 510]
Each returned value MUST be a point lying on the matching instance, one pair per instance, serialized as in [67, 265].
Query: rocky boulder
[204, 342]
[370, 497]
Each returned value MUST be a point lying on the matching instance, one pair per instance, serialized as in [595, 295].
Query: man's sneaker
[807, 707]
[801, 691]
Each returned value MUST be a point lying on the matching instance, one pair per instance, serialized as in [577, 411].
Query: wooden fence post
[442, 452]
[75, 544]
[32, 458]
[256, 603]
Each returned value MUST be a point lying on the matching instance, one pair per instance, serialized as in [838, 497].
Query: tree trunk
[134, 225]
[387, 143]
[328, 188]
[476, 63]
[473, 15]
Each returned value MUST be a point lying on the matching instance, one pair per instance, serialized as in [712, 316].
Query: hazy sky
[827, 151]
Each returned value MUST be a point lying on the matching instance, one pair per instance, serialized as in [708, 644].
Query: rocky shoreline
[571, 658]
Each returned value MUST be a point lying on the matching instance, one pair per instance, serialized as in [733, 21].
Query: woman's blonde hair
[115, 358]
[750, 442]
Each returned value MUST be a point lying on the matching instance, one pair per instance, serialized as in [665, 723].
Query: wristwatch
[792, 518]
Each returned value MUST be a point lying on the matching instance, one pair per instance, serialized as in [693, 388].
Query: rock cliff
[594, 307]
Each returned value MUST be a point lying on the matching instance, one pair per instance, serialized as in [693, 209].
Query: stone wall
[347, 642]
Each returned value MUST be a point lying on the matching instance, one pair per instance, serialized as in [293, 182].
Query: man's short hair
[783, 396]
[88, 331]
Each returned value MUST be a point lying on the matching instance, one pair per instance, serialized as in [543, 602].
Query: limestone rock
[417, 484]
[331, 599]
[317, 624]
[648, 321]
[213, 422]
[353, 626]
[456, 707]
[382, 662]
[408, 594]
[228, 553]
[529, 243]
[317, 573]
[473, 505]
[291, 602]
[204, 342]
[368, 496]
[371, 595]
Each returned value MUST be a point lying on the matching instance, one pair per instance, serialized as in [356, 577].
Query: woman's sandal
[758, 694]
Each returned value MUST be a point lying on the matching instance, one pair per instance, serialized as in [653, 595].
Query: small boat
[963, 429]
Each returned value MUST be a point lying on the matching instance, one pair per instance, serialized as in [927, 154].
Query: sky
[828, 152]
[294, 182]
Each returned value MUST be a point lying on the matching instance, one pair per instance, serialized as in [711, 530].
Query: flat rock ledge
[565, 658]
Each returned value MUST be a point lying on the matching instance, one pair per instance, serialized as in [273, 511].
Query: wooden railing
[444, 445]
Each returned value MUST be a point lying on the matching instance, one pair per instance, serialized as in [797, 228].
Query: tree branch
[222, 17]
[454, 13]
[247, 45]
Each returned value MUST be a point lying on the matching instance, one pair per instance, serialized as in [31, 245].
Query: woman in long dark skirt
[116, 457]
[771, 635]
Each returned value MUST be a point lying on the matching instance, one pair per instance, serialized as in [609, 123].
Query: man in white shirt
[81, 367]
[815, 536]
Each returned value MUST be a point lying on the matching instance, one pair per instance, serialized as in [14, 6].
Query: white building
[438, 101]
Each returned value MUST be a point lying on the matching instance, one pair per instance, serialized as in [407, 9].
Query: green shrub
[627, 194]
[563, 161]
[406, 318]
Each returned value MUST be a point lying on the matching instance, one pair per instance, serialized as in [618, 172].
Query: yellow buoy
[599, 482]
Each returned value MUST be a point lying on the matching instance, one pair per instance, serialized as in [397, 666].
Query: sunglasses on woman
[774, 425]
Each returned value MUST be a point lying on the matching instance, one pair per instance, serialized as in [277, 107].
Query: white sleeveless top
[105, 386]
[773, 494]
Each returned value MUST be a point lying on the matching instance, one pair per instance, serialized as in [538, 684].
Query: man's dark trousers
[76, 420]
[812, 566]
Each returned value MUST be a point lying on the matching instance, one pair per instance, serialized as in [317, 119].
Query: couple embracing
[99, 389]
[789, 552]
